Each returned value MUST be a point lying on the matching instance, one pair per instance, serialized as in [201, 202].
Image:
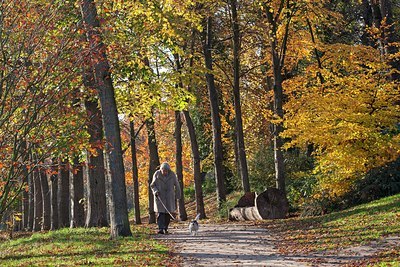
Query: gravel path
[227, 245]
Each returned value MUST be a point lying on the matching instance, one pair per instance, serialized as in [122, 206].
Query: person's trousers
[163, 220]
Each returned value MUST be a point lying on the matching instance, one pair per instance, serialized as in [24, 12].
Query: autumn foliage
[351, 117]
[320, 77]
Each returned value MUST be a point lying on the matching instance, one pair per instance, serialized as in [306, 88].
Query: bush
[377, 183]
[189, 192]
[208, 184]
[300, 189]
[262, 170]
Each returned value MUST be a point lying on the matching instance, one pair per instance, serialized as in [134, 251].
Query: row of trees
[317, 77]
[49, 51]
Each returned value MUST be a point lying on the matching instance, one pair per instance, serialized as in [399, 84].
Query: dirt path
[227, 245]
[246, 244]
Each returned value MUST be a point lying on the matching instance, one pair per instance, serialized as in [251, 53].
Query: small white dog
[194, 226]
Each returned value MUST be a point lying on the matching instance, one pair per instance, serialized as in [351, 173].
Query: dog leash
[162, 203]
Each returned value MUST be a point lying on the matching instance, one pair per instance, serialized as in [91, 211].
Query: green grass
[357, 226]
[84, 247]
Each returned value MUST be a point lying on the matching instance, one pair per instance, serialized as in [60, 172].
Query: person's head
[165, 168]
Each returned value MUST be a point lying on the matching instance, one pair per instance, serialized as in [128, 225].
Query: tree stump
[270, 204]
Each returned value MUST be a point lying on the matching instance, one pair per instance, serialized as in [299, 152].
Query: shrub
[377, 183]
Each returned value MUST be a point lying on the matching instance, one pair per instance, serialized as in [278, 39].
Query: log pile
[270, 204]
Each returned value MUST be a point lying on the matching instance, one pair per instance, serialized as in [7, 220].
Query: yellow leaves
[17, 217]
[351, 118]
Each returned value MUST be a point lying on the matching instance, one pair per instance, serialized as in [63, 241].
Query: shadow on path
[239, 245]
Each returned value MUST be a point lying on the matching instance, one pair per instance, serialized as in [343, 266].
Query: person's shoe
[166, 232]
[160, 232]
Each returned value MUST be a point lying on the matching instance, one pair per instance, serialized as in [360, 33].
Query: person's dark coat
[168, 190]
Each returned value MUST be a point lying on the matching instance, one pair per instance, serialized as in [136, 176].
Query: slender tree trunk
[196, 165]
[135, 174]
[278, 128]
[44, 185]
[53, 196]
[154, 164]
[31, 200]
[193, 138]
[25, 205]
[277, 64]
[63, 194]
[178, 150]
[236, 153]
[178, 164]
[216, 123]
[25, 193]
[236, 94]
[77, 207]
[118, 208]
[38, 205]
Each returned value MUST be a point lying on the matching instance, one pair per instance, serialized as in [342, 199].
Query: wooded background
[236, 95]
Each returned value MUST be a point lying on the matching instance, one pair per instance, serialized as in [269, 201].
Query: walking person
[166, 190]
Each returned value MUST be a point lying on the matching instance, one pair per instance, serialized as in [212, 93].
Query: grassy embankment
[362, 225]
[84, 247]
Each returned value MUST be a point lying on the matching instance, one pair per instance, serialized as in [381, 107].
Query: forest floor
[366, 235]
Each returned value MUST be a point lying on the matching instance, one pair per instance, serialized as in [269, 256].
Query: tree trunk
[77, 207]
[25, 200]
[118, 208]
[216, 123]
[278, 128]
[38, 205]
[31, 200]
[44, 185]
[53, 196]
[96, 210]
[277, 65]
[196, 165]
[154, 164]
[241, 152]
[135, 174]
[63, 194]
[178, 164]
[193, 140]
[96, 214]
[25, 207]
